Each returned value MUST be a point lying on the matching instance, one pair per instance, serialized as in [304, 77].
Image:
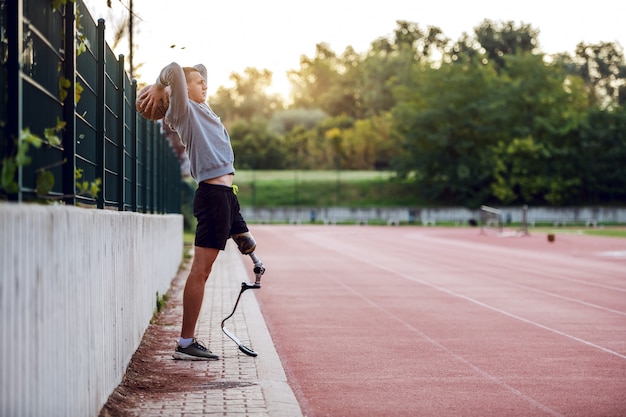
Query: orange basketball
[157, 113]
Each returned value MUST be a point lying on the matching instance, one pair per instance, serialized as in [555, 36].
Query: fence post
[159, 173]
[69, 107]
[525, 220]
[100, 110]
[149, 161]
[144, 165]
[121, 121]
[15, 25]
[133, 130]
[153, 165]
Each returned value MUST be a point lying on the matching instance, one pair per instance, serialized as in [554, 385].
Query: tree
[368, 143]
[285, 121]
[378, 75]
[447, 120]
[315, 78]
[602, 152]
[248, 98]
[476, 132]
[495, 40]
[255, 147]
[388, 64]
[603, 68]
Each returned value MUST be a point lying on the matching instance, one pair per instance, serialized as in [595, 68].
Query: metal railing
[46, 81]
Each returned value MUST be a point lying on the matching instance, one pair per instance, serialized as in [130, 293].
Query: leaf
[29, 138]
[79, 90]
[44, 183]
[81, 48]
[86, 188]
[50, 133]
[51, 137]
[21, 157]
[64, 84]
[94, 189]
[56, 4]
[7, 176]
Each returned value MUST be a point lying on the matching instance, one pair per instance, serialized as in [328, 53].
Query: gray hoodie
[201, 131]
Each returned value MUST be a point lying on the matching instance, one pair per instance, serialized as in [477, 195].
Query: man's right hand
[153, 100]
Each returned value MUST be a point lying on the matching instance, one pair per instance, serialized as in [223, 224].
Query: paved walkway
[236, 385]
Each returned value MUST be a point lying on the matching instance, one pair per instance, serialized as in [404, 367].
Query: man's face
[196, 87]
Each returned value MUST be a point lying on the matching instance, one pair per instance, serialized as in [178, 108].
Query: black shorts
[217, 209]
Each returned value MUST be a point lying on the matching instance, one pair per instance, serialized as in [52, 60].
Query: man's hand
[153, 101]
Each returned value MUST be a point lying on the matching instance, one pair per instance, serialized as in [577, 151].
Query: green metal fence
[47, 78]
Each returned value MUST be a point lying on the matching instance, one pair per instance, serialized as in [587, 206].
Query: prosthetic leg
[246, 244]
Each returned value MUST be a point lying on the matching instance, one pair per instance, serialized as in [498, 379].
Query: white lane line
[454, 355]
[529, 259]
[614, 253]
[492, 308]
[485, 275]
[470, 299]
[551, 294]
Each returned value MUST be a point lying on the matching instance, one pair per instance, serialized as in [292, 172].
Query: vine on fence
[19, 156]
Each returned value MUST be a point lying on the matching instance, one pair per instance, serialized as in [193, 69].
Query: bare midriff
[226, 180]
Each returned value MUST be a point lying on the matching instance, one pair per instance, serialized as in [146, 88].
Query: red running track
[413, 321]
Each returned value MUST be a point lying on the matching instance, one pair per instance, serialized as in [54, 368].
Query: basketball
[158, 113]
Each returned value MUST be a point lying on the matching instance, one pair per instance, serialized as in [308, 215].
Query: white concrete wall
[77, 291]
[434, 215]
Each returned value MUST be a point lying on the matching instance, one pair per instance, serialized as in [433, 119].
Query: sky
[231, 35]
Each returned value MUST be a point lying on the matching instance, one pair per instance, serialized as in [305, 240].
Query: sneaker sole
[184, 357]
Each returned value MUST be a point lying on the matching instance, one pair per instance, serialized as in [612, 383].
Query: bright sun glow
[230, 36]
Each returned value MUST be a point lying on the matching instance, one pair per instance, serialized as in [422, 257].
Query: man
[212, 165]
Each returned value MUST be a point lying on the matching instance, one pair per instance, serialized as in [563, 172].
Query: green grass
[290, 188]
[612, 231]
[188, 237]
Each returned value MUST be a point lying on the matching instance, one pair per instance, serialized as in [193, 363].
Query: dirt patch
[152, 374]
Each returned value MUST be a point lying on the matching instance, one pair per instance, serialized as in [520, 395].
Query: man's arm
[170, 87]
[173, 77]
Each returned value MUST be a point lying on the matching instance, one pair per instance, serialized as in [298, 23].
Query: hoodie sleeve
[173, 76]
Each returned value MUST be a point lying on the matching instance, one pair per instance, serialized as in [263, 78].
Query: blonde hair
[189, 70]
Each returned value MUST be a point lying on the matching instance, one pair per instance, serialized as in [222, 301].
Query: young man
[212, 165]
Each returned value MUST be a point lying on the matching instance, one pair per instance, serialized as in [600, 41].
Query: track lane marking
[449, 352]
[505, 251]
[492, 308]
[486, 275]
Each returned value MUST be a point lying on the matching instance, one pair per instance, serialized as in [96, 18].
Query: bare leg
[194, 288]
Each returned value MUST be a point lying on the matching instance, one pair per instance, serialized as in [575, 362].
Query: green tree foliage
[499, 40]
[446, 119]
[601, 155]
[248, 98]
[603, 69]
[256, 147]
[368, 143]
[496, 122]
[287, 120]
[481, 130]
[388, 64]
[314, 82]
[484, 119]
